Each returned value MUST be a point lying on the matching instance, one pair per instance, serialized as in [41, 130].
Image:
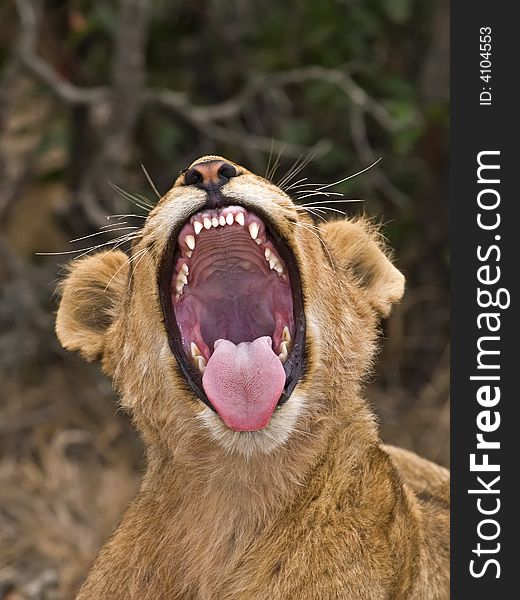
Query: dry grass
[68, 467]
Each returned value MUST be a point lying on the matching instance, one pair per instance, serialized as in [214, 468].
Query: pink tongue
[244, 382]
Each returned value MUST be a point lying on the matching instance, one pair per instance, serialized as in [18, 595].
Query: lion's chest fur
[341, 535]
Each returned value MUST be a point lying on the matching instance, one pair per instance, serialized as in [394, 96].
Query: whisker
[299, 184]
[269, 159]
[118, 241]
[127, 262]
[299, 164]
[324, 187]
[276, 164]
[141, 203]
[152, 184]
[143, 254]
[145, 200]
[308, 193]
[305, 209]
[312, 226]
[293, 185]
[344, 201]
[320, 239]
[104, 232]
[293, 170]
[315, 213]
[124, 216]
[113, 225]
[325, 208]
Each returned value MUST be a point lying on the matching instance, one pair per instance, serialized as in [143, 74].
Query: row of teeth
[220, 221]
[229, 219]
[283, 351]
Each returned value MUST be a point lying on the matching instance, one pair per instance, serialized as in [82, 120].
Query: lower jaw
[248, 444]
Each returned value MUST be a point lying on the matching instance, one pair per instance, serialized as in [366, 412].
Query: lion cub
[238, 338]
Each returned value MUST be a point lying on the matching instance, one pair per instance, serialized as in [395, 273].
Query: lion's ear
[91, 297]
[358, 249]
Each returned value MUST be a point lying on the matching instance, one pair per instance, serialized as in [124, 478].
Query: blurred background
[90, 92]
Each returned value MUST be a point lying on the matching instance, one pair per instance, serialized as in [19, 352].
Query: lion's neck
[200, 508]
[218, 503]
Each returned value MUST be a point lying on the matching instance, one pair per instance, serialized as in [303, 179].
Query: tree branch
[265, 82]
[26, 51]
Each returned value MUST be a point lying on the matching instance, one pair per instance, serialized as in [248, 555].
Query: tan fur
[311, 507]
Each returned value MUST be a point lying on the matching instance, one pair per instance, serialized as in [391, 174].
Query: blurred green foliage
[208, 50]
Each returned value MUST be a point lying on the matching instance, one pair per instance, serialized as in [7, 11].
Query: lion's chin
[248, 444]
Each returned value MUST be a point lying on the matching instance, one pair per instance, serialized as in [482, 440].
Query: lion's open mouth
[231, 297]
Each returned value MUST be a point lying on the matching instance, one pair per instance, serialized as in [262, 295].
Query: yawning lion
[238, 335]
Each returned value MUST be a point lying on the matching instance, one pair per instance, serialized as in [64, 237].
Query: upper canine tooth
[240, 219]
[207, 223]
[229, 219]
[197, 225]
[190, 241]
[222, 220]
[253, 230]
[214, 221]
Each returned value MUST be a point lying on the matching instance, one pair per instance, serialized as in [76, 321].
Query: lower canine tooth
[284, 351]
[201, 364]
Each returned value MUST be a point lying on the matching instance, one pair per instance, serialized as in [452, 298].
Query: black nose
[210, 175]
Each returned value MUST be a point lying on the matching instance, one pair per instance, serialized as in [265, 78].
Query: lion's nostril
[226, 171]
[193, 177]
